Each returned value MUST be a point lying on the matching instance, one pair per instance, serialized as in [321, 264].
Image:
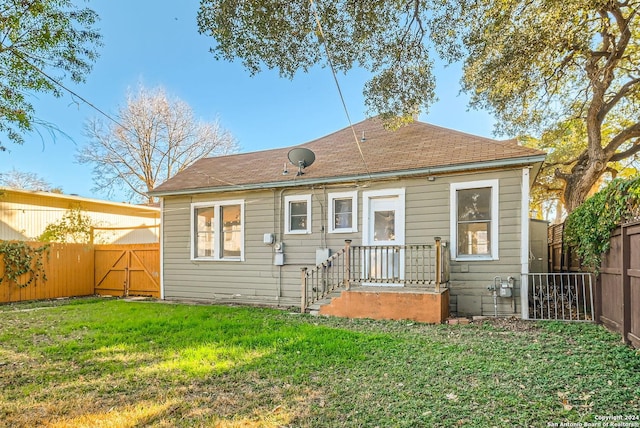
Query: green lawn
[116, 363]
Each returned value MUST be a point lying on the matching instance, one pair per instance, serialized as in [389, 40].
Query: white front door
[382, 221]
[384, 228]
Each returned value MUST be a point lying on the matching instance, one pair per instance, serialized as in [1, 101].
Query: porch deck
[381, 282]
[393, 303]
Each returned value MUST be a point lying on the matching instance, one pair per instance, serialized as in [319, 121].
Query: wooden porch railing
[421, 265]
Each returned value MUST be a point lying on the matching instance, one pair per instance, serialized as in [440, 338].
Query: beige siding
[254, 280]
[257, 280]
[25, 216]
[471, 279]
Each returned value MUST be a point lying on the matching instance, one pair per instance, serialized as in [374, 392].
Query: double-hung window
[474, 220]
[297, 213]
[217, 230]
[343, 212]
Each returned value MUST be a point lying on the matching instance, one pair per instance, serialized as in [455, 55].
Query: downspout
[323, 213]
[524, 245]
[161, 238]
[278, 228]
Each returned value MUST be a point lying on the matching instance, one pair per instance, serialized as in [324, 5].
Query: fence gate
[127, 270]
[561, 296]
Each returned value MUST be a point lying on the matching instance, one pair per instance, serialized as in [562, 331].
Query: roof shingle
[417, 146]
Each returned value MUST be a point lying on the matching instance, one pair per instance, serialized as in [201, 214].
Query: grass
[115, 363]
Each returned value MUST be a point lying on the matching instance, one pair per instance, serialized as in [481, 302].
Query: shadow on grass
[141, 364]
[217, 362]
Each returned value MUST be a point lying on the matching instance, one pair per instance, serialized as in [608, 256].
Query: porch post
[303, 291]
[524, 245]
[347, 264]
[438, 263]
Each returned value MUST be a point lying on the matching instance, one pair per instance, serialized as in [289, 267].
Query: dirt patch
[508, 323]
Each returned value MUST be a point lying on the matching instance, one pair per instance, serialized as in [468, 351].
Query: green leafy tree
[537, 66]
[42, 42]
[386, 38]
[563, 145]
[542, 66]
[74, 227]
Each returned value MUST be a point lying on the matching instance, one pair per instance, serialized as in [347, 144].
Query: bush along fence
[38, 271]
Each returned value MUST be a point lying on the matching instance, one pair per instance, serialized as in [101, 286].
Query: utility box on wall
[278, 255]
[268, 238]
[322, 254]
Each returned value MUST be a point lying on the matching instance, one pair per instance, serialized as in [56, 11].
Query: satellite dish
[301, 157]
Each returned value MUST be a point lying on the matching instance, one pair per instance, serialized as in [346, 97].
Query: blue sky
[156, 43]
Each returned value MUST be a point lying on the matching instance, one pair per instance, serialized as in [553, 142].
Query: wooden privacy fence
[616, 295]
[618, 290]
[68, 269]
[74, 270]
[562, 258]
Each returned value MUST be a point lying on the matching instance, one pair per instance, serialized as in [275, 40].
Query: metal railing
[405, 265]
[561, 296]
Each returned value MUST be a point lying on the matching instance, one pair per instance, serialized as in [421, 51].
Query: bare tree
[26, 181]
[151, 139]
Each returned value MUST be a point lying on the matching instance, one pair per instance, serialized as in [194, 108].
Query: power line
[74, 94]
[87, 102]
[335, 79]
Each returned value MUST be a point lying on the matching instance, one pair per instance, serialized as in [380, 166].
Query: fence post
[626, 283]
[597, 299]
[303, 294]
[438, 263]
[347, 264]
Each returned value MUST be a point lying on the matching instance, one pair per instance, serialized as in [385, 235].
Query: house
[269, 227]
[25, 214]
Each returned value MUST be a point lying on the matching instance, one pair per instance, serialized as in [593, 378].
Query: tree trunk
[590, 166]
[580, 182]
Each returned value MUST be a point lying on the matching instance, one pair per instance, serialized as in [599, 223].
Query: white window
[297, 214]
[474, 220]
[343, 212]
[217, 230]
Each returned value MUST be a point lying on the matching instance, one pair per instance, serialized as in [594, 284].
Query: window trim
[494, 185]
[217, 230]
[354, 212]
[287, 217]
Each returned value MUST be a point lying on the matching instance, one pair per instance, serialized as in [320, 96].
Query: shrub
[589, 226]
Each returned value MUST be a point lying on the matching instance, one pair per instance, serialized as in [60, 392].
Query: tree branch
[625, 135]
[623, 92]
[625, 154]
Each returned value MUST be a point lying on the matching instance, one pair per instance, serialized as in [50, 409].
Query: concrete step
[314, 309]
